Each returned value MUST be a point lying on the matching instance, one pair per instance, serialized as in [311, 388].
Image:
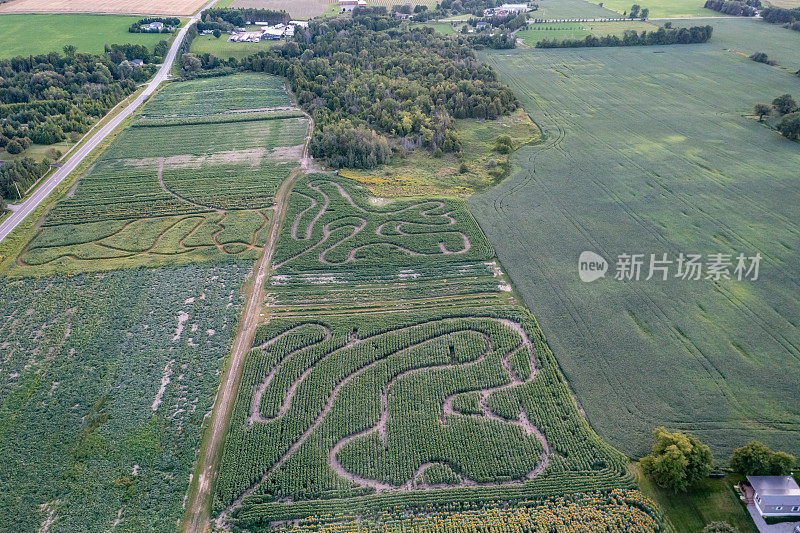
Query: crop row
[620, 510]
[221, 118]
[325, 410]
[333, 221]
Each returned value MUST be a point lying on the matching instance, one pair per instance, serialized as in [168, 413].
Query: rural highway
[21, 211]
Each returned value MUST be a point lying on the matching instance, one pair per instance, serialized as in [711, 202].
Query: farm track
[380, 427]
[197, 514]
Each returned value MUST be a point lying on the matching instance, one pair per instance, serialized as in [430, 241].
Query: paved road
[21, 211]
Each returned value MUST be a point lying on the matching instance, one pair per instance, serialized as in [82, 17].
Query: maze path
[348, 228]
[482, 326]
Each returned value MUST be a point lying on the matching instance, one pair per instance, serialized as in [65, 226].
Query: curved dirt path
[380, 426]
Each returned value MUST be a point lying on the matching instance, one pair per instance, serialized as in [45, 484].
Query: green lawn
[40, 34]
[665, 8]
[650, 150]
[208, 44]
[713, 500]
[579, 30]
[442, 27]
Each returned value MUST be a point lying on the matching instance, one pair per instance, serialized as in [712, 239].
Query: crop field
[666, 8]
[302, 9]
[620, 510]
[579, 30]
[191, 180]
[146, 7]
[747, 36]
[718, 358]
[572, 9]
[323, 411]
[100, 410]
[88, 33]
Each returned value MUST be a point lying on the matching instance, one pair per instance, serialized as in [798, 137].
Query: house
[481, 25]
[137, 62]
[349, 5]
[775, 495]
[153, 27]
[301, 23]
[515, 8]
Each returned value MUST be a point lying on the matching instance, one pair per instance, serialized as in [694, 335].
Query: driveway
[763, 527]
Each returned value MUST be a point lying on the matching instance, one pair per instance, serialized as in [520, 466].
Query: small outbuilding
[775, 495]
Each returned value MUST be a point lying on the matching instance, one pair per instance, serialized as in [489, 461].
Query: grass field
[747, 36]
[579, 30]
[712, 500]
[208, 44]
[151, 7]
[442, 27]
[88, 33]
[420, 174]
[666, 8]
[191, 180]
[650, 151]
[571, 9]
[786, 4]
[100, 410]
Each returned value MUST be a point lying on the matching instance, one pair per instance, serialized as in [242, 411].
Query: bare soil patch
[155, 7]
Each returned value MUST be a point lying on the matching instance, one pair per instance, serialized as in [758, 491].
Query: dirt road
[198, 503]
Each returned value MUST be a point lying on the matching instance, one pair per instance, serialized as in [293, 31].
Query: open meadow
[191, 179]
[136, 7]
[87, 33]
[571, 9]
[578, 30]
[666, 8]
[651, 150]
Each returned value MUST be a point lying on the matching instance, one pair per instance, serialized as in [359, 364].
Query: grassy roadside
[712, 500]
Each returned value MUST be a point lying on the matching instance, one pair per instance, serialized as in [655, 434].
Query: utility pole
[17, 186]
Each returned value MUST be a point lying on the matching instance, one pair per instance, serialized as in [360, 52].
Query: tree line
[375, 87]
[17, 176]
[662, 36]
[734, 7]
[784, 107]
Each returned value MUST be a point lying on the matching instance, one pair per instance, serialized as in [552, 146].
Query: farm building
[349, 5]
[514, 8]
[153, 27]
[775, 495]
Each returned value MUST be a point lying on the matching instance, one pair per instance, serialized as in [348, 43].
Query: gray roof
[776, 490]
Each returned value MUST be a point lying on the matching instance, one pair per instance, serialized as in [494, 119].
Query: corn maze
[193, 179]
[350, 407]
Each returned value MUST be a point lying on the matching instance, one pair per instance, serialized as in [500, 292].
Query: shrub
[719, 527]
[14, 147]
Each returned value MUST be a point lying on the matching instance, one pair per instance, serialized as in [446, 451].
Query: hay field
[651, 150]
[150, 7]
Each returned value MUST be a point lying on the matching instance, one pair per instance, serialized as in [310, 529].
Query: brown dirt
[154, 7]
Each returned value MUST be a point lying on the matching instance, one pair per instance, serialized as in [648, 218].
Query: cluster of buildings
[265, 32]
[505, 10]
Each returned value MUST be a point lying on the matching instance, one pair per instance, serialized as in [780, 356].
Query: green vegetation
[618, 510]
[579, 30]
[711, 500]
[170, 193]
[572, 9]
[101, 409]
[24, 35]
[665, 8]
[755, 458]
[221, 48]
[678, 460]
[661, 36]
[419, 174]
[623, 170]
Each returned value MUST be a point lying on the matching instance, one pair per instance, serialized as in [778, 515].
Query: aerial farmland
[440, 266]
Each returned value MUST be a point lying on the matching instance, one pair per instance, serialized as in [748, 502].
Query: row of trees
[779, 15]
[638, 12]
[17, 176]
[680, 460]
[662, 36]
[732, 7]
[244, 16]
[376, 87]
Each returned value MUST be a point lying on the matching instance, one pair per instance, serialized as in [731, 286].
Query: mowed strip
[155, 7]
